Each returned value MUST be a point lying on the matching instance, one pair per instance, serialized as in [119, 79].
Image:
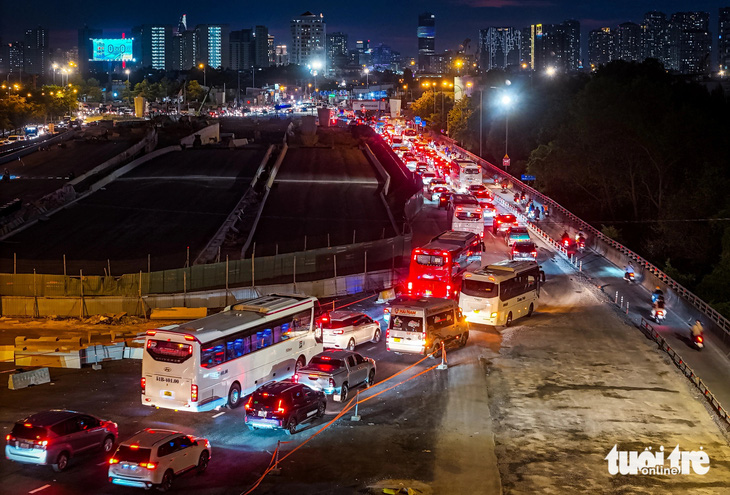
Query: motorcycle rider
[565, 238]
[697, 329]
[629, 270]
[657, 294]
[657, 305]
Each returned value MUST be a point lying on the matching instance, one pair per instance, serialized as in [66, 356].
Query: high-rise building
[261, 46]
[600, 47]
[308, 35]
[690, 42]
[281, 55]
[336, 50]
[628, 46]
[153, 46]
[558, 46]
[654, 41]
[723, 39]
[212, 45]
[271, 50]
[536, 47]
[16, 58]
[526, 47]
[242, 50]
[382, 57]
[426, 40]
[184, 50]
[182, 24]
[35, 53]
[86, 48]
[573, 58]
[499, 47]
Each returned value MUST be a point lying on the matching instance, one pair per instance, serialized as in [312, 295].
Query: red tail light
[699, 338]
[143, 384]
[387, 334]
[149, 465]
[410, 286]
[332, 383]
[193, 393]
[151, 332]
[295, 378]
[113, 461]
[338, 332]
[247, 406]
[8, 437]
[280, 408]
[534, 254]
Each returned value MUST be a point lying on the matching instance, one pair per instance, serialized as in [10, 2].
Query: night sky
[390, 22]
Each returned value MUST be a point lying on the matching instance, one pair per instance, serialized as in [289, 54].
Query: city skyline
[455, 19]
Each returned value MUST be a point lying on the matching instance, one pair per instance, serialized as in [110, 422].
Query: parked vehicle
[155, 457]
[347, 329]
[54, 437]
[336, 372]
[284, 405]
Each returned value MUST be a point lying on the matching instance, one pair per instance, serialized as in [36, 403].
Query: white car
[155, 457]
[346, 329]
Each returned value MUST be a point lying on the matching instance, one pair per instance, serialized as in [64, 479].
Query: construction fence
[302, 266]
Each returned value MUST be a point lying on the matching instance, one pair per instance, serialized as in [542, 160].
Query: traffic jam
[285, 361]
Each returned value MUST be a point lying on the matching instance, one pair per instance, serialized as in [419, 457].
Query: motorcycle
[630, 277]
[581, 244]
[698, 341]
[658, 314]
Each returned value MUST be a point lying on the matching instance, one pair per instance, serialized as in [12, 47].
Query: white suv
[155, 457]
[346, 329]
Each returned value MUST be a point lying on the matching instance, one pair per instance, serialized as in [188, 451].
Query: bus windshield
[478, 288]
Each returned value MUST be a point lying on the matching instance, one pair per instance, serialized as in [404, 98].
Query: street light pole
[481, 119]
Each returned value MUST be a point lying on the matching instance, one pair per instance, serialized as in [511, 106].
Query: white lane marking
[41, 488]
[371, 348]
[219, 414]
[101, 464]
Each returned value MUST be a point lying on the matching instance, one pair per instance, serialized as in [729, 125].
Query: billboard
[112, 50]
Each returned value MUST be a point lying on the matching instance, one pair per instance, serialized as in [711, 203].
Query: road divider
[23, 379]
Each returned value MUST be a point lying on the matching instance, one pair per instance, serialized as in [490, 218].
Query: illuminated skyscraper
[308, 34]
[426, 40]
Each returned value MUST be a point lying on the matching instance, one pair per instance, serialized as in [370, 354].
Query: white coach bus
[215, 361]
[500, 293]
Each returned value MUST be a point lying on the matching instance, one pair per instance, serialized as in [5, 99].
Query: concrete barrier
[98, 353]
[178, 313]
[210, 134]
[25, 379]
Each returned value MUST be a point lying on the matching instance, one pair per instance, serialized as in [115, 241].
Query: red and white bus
[436, 268]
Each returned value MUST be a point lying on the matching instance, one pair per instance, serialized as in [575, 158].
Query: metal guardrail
[652, 334]
[722, 322]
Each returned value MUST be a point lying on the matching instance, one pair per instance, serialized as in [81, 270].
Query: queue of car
[417, 325]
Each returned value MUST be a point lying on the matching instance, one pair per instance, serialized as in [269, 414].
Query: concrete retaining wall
[210, 134]
[131, 166]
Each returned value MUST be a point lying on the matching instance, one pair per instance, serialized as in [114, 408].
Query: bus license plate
[168, 393]
[396, 339]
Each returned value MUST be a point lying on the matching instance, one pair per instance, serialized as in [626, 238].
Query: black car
[284, 405]
[444, 199]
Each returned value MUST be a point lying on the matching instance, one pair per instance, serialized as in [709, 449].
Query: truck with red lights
[336, 371]
[436, 268]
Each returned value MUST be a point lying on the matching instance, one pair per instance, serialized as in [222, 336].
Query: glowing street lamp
[205, 74]
[127, 71]
[507, 100]
[550, 71]
[367, 77]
